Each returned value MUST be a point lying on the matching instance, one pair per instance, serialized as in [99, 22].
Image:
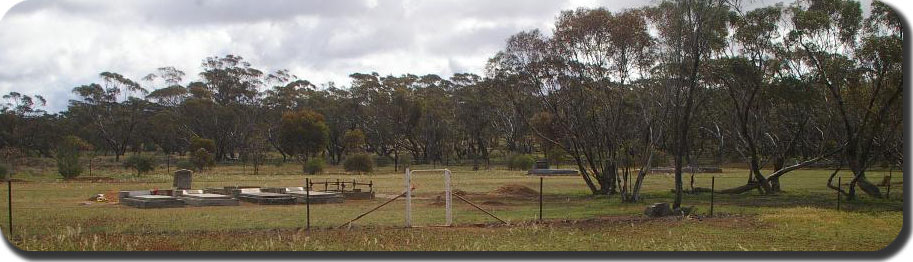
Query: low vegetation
[802, 217]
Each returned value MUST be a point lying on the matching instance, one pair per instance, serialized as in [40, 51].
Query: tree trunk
[644, 168]
[678, 181]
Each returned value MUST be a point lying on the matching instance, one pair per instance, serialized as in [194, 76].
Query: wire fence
[44, 209]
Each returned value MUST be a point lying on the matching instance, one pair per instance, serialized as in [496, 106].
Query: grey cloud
[48, 47]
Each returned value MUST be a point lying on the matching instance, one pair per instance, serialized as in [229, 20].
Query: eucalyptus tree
[287, 94]
[381, 118]
[114, 122]
[24, 125]
[580, 79]
[689, 33]
[232, 85]
[858, 63]
[475, 115]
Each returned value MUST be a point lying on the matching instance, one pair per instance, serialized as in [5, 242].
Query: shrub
[521, 162]
[405, 160]
[362, 163]
[142, 164]
[68, 151]
[314, 166]
[198, 142]
[202, 159]
[184, 164]
[4, 171]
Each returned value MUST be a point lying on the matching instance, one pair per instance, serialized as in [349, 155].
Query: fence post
[839, 187]
[887, 194]
[408, 183]
[9, 191]
[307, 198]
[540, 198]
[712, 190]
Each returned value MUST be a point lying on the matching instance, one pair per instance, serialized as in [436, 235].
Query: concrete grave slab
[198, 198]
[140, 200]
[254, 195]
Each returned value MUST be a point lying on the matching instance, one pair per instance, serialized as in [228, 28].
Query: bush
[142, 164]
[68, 151]
[198, 142]
[202, 159]
[521, 162]
[405, 160]
[4, 171]
[314, 166]
[184, 164]
[362, 163]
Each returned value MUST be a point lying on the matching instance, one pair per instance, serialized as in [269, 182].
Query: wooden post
[712, 189]
[887, 194]
[839, 185]
[408, 191]
[540, 198]
[307, 198]
[9, 192]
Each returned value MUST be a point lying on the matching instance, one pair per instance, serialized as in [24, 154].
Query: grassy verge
[50, 214]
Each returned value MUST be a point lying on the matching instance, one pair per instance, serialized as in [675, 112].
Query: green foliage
[362, 163]
[184, 164]
[202, 159]
[521, 162]
[198, 142]
[354, 140]
[142, 164]
[68, 152]
[314, 166]
[303, 133]
[4, 171]
[405, 160]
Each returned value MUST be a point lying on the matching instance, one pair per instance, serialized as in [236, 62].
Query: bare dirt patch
[515, 191]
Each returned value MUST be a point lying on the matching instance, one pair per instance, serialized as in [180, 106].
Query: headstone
[182, 179]
[658, 210]
[542, 164]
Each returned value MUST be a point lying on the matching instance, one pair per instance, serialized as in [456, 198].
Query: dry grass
[49, 214]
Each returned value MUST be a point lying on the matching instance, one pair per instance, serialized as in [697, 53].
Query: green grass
[49, 215]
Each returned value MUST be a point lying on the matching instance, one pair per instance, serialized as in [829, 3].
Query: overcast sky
[47, 47]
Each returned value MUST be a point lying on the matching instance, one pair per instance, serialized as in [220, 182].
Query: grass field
[51, 214]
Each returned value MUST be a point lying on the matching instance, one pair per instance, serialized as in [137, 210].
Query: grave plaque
[542, 164]
[183, 179]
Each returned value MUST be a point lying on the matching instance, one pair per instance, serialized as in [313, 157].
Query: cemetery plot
[542, 169]
[315, 197]
[348, 189]
[140, 200]
[255, 195]
[198, 198]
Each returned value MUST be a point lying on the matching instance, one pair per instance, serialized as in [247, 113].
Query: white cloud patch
[48, 47]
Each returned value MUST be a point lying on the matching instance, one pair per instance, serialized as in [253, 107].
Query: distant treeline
[777, 87]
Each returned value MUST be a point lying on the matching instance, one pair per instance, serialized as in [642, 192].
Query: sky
[47, 47]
